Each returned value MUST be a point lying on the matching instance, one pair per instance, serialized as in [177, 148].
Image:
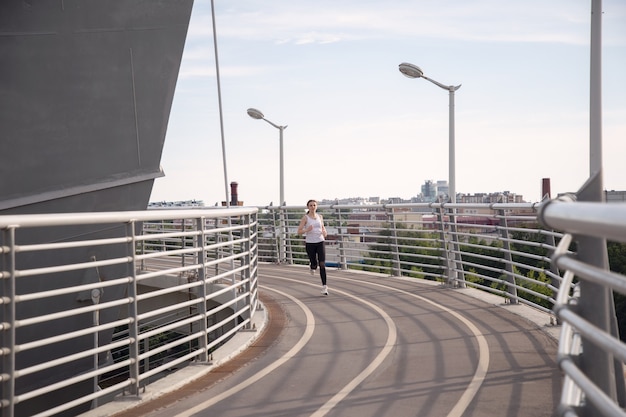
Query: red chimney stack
[234, 198]
[545, 188]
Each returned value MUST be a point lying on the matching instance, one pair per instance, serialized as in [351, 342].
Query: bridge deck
[375, 346]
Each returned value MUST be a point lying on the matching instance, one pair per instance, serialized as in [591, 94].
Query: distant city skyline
[441, 188]
[612, 196]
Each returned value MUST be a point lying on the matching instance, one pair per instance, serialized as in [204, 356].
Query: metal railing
[591, 354]
[504, 249]
[122, 298]
[96, 305]
[500, 247]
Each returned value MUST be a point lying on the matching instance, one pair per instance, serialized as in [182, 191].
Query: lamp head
[255, 114]
[410, 70]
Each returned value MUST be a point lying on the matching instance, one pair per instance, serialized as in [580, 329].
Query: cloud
[303, 23]
[208, 70]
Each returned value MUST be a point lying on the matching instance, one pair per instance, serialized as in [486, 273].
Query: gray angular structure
[86, 88]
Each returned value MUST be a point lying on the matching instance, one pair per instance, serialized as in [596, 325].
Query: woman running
[312, 227]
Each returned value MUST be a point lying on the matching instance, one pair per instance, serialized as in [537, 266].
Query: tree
[418, 251]
[617, 263]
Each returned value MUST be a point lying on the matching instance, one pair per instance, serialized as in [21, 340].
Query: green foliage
[418, 251]
[536, 287]
[472, 277]
[519, 246]
[617, 257]
[480, 253]
[617, 263]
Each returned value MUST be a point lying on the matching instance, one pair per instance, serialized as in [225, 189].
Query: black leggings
[317, 255]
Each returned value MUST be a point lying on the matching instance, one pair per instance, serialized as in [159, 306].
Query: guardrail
[100, 304]
[500, 247]
[591, 354]
[96, 305]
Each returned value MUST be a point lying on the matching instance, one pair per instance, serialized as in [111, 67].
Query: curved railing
[500, 248]
[591, 354]
[96, 305]
[121, 299]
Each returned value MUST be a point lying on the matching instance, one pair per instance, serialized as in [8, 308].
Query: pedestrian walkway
[365, 308]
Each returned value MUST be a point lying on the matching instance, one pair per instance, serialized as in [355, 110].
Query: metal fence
[96, 305]
[500, 248]
[591, 354]
[101, 304]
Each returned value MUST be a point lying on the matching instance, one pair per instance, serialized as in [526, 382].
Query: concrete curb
[237, 344]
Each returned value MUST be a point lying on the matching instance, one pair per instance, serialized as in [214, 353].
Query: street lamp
[256, 114]
[413, 71]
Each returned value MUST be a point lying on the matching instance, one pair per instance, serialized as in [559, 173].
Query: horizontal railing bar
[73, 312]
[73, 267]
[585, 218]
[69, 219]
[70, 244]
[68, 290]
[593, 273]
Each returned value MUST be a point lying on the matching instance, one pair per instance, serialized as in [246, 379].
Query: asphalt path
[376, 346]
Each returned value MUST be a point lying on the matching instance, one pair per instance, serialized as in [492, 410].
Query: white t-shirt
[315, 235]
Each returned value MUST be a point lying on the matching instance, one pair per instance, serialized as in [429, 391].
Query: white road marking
[389, 344]
[310, 326]
[483, 349]
[458, 409]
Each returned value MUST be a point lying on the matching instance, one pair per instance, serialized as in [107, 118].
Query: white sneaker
[312, 271]
[325, 290]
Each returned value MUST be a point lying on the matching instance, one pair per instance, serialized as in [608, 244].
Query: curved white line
[389, 344]
[310, 325]
[483, 348]
[457, 410]
[382, 355]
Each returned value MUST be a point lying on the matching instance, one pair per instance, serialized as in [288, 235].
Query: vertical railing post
[245, 234]
[8, 316]
[288, 248]
[142, 248]
[231, 262]
[442, 236]
[217, 251]
[276, 232]
[396, 270]
[450, 249]
[133, 326]
[456, 276]
[96, 293]
[343, 262]
[508, 265]
[550, 241]
[182, 240]
[202, 291]
[281, 235]
[597, 306]
[253, 227]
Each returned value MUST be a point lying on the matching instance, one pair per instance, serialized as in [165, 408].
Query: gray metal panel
[86, 88]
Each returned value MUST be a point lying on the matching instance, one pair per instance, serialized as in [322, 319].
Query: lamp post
[257, 114]
[413, 71]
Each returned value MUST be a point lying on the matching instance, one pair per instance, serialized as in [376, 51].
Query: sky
[356, 127]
